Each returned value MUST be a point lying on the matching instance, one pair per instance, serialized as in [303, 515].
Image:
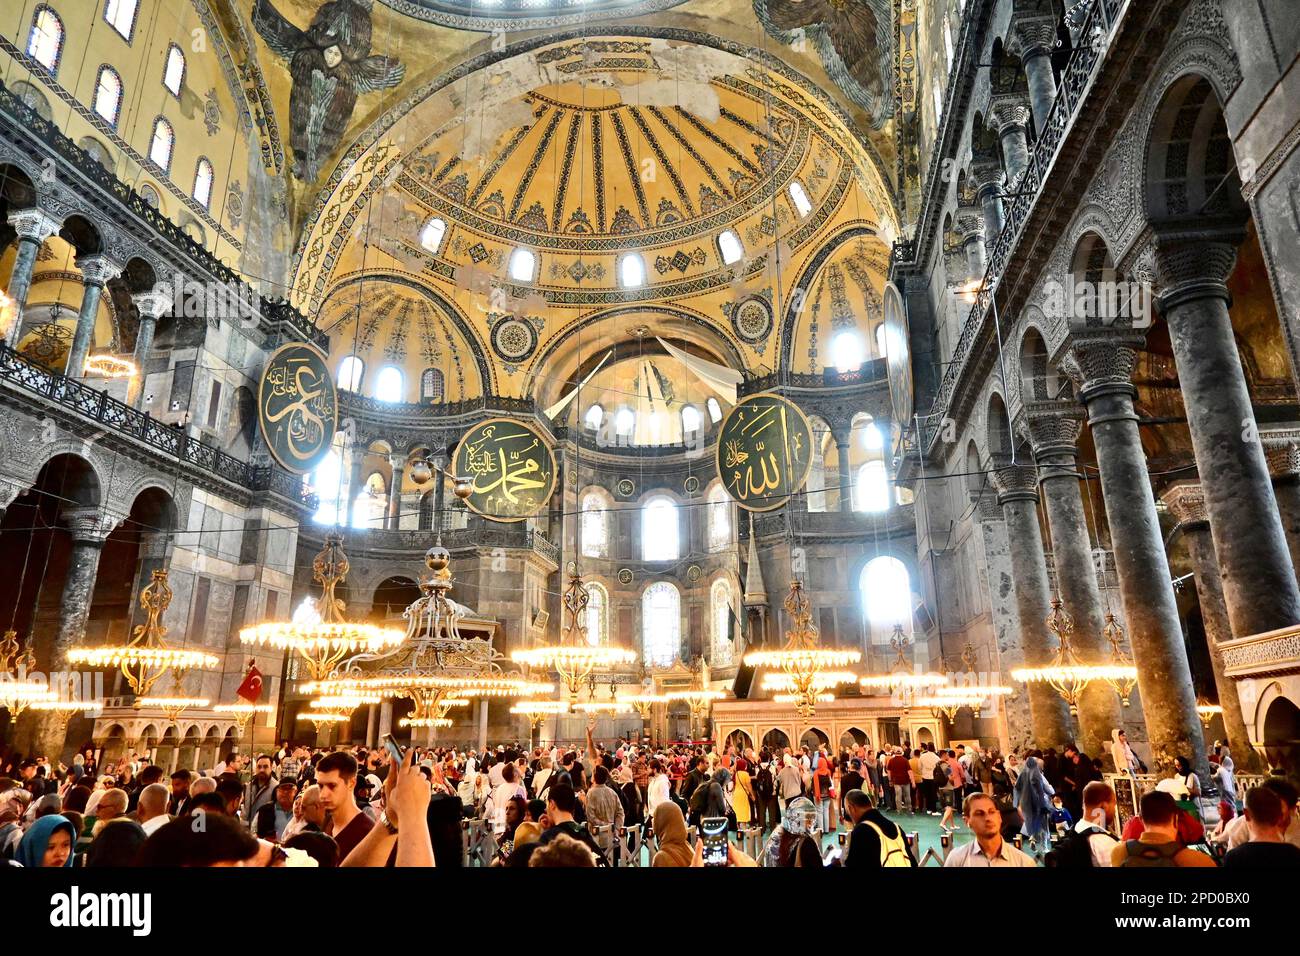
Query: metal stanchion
[464, 843]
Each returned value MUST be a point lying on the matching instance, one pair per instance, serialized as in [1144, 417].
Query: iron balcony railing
[1094, 41]
[98, 406]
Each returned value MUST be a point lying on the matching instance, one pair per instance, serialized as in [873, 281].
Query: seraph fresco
[854, 38]
[331, 65]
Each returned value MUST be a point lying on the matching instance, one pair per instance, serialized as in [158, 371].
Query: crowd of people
[575, 806]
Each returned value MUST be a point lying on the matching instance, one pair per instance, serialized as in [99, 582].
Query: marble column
[33, 227]
[96, 271]
[353, 489]
[372, 726]
[88, 531]
[482, 725]
[1187, 504]
[151, 306]
[988, 190]
[398, 464]
[1016, 486]
[1193, 262]
[1284, 468]
[385, 717]
[1054, 429]
[1008, 114]
[1032, 39]
[970, 226]
[1101, 367]
[846, 475]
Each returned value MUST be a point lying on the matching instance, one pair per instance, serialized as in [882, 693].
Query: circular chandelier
[902, 675]
[823, 698]
[1207, 712]
[573, 659]
[105, 365]
[324, 643]
[644, 703]
[146, 657]
[16, 691]
[538, 710]
[1124, 678]
[242, 712]
[802, 660]
[1067, 675]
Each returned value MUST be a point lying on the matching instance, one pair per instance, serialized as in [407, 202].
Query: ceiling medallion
[513, 339]
[751, 320]
[691, 485]
[624, 576]
[626, 487]
[694, 573]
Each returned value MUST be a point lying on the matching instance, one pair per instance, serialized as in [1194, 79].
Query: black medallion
[510, 467]
[764, 451]
[297, 407]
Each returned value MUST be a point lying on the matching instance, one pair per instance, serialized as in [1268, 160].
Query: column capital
[988, 507]
[1102, 364]
[1194, 257]
[152, 304]
[98, 269]
[1053, 427]
[1008, 111]
[88, 526]
[969, 224]
[1186, 502]
[987, 173]
[1015, 482]
[397, 461]
[1282, 455]
[35, 224]
[1032, 33]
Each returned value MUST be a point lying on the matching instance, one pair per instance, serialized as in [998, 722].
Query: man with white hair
[151, 810]
[112, 805]
[789, 782]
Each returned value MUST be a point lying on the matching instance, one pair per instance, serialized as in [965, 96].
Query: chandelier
[1067, 675]
[1124, 677]
[323, 644]
[823, 698]
[146, 657]
[538, 710]
[902, 675]
[573, 659]
[64, 709]
[16, 691]
[1207, 712]
[802, 660]
[644, 703]
[242, 712]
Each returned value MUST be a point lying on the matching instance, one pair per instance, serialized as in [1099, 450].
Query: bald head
[203, 785]
[112, 804]
[153, 802]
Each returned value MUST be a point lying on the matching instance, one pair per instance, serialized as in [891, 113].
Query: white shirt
[658, 792]
[969, 855]
[1099, 843]
[495, 773]
[498, 798]
[929, 760]
[155, 823]
[1237, 832]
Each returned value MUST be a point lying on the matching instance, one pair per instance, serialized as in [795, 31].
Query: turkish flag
[251, 689]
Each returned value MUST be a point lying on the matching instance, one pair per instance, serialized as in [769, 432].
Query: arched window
[729, 247]
[431, 385]
[847, 353]
[389, 386]
[871, 490]
[799, 196]
[597, 622]
[432, 233]
[371, 504]
[45, 41]
[886, 593]
[150, 196]
[108, 95]
[594, 526]
[595, 415]
[523, 265]
[872, 440]
[691, 419]
[659, 538]
[174, 72]
[661, 624]
[719, 519]
[160, 149]
[624, 421]
[120, 15]
[350, 370]
[715, 410]
[631, 271]
[327, 483]
[724, 647]
[203, 183]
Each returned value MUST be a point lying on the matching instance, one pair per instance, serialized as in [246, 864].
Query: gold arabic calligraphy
[763, 453]
[512, 470]
[298, 408]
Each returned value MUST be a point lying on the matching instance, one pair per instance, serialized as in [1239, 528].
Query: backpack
[940, 773]
[764, 785]
[1151, 854]
[892, 852]
[1073, 851]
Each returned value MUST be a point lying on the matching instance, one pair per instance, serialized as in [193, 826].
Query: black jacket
[864, 845]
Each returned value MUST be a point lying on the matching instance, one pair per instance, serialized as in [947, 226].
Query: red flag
[251, 689]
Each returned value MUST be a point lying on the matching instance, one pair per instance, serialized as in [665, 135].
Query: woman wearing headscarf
[670, 832]
[48, 842]
[1034, 801]
[715, 801]
[742, 797]
[792, 843]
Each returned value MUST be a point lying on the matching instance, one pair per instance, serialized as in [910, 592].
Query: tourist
[151, 811]
[1098, 821]
[670, 835]
[875, 841]
[900, 780]
[605, 813]
[1033, 798]
[792, 843]
[336, 777]
[274, 818]
[988, 849]
[48, 842]
[1267, 816]
[1158, 844]
[117, 844]
[179, 803]
[928, 799]
[789, 783]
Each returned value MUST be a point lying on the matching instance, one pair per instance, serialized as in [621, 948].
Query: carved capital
[87, 526]
[1098, 364]
[1016, 483]
[1007, 112]
[1283, 456]
[35, 224]
[1193, 259]
[152, 304]
[1031, 34]
[987, 174]
[98, 270]
[1186, 502]
[1053, 428]
[969, 225]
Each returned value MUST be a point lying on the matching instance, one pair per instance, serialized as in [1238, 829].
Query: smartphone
[713, 833]
[394, 750]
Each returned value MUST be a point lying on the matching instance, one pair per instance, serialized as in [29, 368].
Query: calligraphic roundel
[510, 467]
[765, 451]
[297, 407]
